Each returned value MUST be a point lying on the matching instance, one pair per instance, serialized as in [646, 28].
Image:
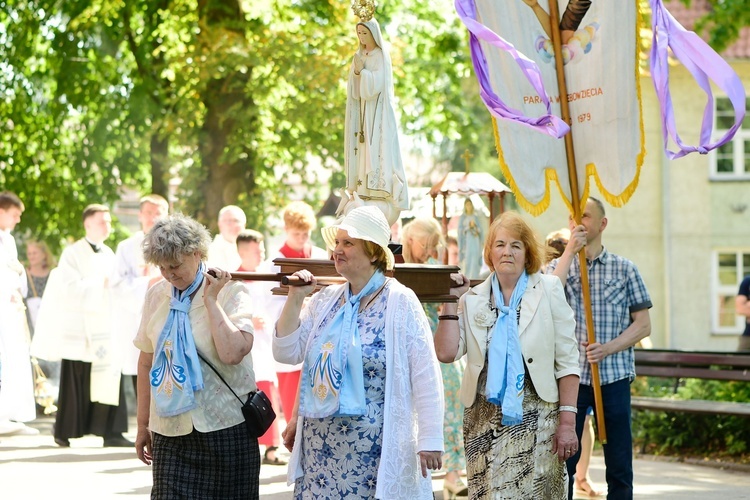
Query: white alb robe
[128, 284]
[17, 393]
[223, 254]
[75, 321]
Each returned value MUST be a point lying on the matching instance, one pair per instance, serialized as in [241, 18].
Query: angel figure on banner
[576, 42]
[372, 157]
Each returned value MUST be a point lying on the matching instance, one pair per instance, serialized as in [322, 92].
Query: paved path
[34, 467]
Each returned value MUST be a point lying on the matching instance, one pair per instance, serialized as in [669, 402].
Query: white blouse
[217, 407]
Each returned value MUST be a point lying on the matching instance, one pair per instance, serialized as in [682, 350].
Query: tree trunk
[227, 165]
[159, 165]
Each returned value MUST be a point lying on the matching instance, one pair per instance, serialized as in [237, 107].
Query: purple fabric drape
[548, 123]
[704, 64]
[700, 60]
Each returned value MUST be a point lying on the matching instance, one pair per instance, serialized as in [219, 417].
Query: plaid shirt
[617, 290]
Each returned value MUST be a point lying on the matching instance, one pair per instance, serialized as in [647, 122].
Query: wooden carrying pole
[554, 14]
[289, 280]
[430, 283]
[283, 278]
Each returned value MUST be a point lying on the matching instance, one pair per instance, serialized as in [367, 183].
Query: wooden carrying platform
[431, 283]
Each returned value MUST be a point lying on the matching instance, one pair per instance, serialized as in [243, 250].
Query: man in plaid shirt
[620, 304]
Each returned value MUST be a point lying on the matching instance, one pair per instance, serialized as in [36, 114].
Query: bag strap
[38, 372]
[219, 374]
[31, 282]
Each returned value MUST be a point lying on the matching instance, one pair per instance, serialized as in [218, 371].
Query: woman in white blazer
[521, 380]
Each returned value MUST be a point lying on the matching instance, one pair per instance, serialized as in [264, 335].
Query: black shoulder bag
[258, 412]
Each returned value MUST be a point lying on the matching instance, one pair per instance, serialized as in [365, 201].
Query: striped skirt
[513, 462]
[222, 464]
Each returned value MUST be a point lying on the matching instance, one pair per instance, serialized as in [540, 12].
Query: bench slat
[661, 357]
[698, 406]
[691, 372]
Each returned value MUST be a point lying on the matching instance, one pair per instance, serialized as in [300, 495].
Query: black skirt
[222, 464]
[77, 416]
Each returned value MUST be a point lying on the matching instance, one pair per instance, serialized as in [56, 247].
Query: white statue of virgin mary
[374, 170]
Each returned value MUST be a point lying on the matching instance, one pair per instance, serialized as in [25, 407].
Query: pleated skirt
[222, 464]
[513, 462]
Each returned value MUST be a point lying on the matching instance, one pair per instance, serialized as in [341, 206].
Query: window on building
[730, 266]
[732, 160]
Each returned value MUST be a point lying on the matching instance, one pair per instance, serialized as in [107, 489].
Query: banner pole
[554, 14]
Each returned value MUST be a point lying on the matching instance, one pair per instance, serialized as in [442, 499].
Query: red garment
[272, 435]
[288, 388]
[290, 253]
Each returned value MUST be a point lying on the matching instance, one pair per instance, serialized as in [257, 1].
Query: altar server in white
[130, 279]
[74, 325]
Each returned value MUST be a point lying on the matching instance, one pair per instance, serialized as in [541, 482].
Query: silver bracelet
[571, 409]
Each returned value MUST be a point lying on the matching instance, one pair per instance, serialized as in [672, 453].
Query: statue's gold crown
[363, 9]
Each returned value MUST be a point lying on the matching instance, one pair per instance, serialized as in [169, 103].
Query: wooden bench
[692, 364]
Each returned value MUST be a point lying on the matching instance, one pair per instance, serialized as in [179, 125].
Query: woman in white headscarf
[374, 171]
[370, 403]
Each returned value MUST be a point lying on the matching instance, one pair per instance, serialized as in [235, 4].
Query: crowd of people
[377, 389]
[78, 317]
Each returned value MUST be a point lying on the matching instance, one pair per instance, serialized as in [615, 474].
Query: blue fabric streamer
[333, 382]
[176, 372]
[505, 370]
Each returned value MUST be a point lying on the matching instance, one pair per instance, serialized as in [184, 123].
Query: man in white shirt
[130, 279]
[222, 252]
[16, 385]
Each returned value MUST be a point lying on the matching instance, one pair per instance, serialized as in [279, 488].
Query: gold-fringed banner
[600, 53]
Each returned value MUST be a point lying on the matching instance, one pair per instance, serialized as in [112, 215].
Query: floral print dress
[453, 418]
[341, 455]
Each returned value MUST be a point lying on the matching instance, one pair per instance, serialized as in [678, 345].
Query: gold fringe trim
[550, 175]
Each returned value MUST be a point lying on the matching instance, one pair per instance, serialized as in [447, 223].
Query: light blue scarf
[176, 372]
[505, 370]
[333, 382]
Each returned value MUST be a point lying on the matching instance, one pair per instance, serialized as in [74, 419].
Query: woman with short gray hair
[175, 236]
[190, 425]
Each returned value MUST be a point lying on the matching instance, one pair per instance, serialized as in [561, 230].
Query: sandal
[273, 461]
[585, 489]
[454, 490]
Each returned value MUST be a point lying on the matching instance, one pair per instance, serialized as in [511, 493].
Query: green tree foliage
[63, 141]
[231, 97]
[102, 94]
[723, 21]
